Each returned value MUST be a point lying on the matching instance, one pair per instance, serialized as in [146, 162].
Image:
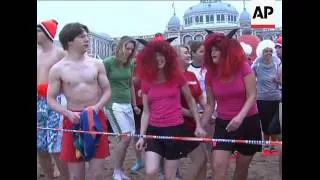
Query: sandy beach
[261, 168]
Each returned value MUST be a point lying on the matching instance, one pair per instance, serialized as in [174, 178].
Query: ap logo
[263, 15]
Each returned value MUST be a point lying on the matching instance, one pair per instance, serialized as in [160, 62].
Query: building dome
[245, 16]
[245, 19]
[211, 14]
[209, 7]
[174, 21]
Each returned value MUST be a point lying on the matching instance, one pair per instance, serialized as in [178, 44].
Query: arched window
[198, 37]
[207, 18]
[211, 18]
[189, 20]
[218, 17]
[186, 39]
[222, 18]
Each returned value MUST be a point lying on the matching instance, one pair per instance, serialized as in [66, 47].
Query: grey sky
[118, 18]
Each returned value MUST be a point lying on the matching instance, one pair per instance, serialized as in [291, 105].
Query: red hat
[158, 37]
[279, 42]
[49, 27]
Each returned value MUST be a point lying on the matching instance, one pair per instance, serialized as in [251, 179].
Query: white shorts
[121, 118]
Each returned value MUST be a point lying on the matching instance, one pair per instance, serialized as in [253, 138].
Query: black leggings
[268, 110]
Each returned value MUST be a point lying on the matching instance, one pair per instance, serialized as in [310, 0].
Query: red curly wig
[147, 65]
[231, 55]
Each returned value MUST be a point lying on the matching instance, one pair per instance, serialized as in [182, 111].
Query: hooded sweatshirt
[267, 88]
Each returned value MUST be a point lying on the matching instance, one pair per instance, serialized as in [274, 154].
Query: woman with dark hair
[231, 84]
[120, 108]
[162, 83]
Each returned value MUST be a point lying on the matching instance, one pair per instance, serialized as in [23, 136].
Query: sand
[261, 168]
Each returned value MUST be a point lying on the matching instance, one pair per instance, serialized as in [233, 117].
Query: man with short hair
[278, 46]
[279, 50]
[48, 142]
[84, 82]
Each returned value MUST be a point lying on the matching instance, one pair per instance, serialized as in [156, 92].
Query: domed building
[208, 14]
[174, 23]
[213, 15]
[245, 19]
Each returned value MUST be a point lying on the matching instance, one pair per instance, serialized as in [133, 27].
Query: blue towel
[85, 143]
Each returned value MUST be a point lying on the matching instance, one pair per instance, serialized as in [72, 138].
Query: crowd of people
[211, 88]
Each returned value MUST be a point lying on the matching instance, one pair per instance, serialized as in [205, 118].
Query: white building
[208, 14]
[101, 45]
[213, 15]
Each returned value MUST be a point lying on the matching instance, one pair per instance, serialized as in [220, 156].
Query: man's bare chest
[79, 74]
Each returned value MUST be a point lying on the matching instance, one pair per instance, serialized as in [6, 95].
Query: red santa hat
[279, 42]
[49, 27]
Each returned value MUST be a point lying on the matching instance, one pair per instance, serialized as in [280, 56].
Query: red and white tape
[201, 139]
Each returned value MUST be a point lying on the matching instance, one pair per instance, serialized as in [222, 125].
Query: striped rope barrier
[201, 139]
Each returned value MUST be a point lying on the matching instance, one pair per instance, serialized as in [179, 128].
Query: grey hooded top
[267, 89]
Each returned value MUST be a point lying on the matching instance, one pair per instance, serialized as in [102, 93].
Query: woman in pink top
[162, 83]
[232, 85]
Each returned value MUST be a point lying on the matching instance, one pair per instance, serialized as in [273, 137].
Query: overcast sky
[118, 18]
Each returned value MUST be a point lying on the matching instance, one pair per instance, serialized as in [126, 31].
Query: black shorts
[170, 149]
[137, 119]
[267, 111]
[249, 130]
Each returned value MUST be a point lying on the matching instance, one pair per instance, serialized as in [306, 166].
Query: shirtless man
[48, 142]
[84, 82]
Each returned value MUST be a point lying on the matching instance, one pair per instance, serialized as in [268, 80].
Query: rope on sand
[201, 139]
